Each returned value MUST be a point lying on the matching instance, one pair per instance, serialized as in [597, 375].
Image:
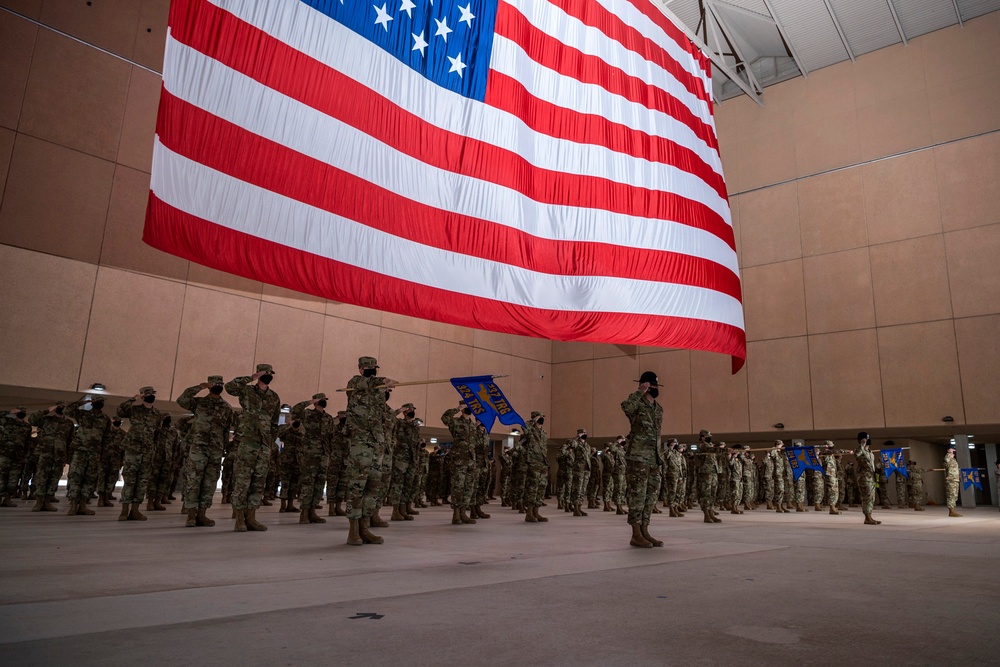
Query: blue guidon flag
[893, 461]
[545, 168]
[487, 403]
[970, 477]
[802, 459]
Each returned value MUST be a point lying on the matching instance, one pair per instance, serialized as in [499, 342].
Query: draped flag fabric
[487, 403]
[802, 459]
[893, 461]
[970, 477]
[546, 168]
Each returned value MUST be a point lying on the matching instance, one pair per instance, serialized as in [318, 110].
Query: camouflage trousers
[671, 487]
[201, 475]
[402, 482]
[951, 493]
[593, 486]
[817, 488]
[462, 475]
[900, 490]
[832, 493]
[917, 494]
[518, 481]
[81, 480]
[749, 489]
[505, 485]
[564, 486]
[250, 474]
[363, 471]
[312, 477]
[643, 480]
[580, 479]
[228, 466]
[28, 474]
[135, 471]
[608, 483]
[736, 491]
[779, 489]
[107, 476]
[334, 473]
[800, 490]
[866, 487]
[10, 473]
[534, 485]
[768, 488]
[47, 474]
[841, 490]
[483, 483]
[722, 490]
[290, 475]
[708, 486]
[161, 473]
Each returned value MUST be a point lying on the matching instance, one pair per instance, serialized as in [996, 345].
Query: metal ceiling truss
[899, 26]
[840, 30]
[785, 39]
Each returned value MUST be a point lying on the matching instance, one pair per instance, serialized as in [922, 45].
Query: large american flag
[538, 167]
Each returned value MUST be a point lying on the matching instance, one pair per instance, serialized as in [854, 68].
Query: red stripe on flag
[672, 31]
[246, 49]
[204, 242]
[186, 130]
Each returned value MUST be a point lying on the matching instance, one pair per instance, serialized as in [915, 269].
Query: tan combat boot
[638, 539]
[202, 519]
[817, 507]
[770, 505]
[101, 502]
[529, 516]
[538, 517]
[241, 524]
[480, 513]
[72, 508]
[315, 518]
[303, 515]
[284, 503]
[919, 508]
[672, 512]
[619, 511]
[157, 506]
[869, 521]
[164, 500]
[149, 505]
[579, 506]
[799, 507]
[124, 515]
[409, 511]
[952, 512]
[353, 538]
[607, 506]
[736, 511]
[456, 518]
[7, 502]
[251, 520]
[396, 514]
[134, 514]
[377, 521]
[192, 520]
[644, 529]
[366, 535]
[465, 517]
[680, 510]
[107, 500]
[81, 508]
[656, 510]
[340, 511]
[833, 510]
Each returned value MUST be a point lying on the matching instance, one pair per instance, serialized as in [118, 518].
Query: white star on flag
[467, 14]
[418, 43]
[456, 65]
[442, 28]
[407, 7]
[383, 17]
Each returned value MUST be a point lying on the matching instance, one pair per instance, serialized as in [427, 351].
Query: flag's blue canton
[448, 41]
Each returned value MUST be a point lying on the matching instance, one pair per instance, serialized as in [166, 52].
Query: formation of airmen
[370, 456]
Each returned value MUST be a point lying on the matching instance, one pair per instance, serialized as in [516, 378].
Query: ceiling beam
[727, 32]
[788, 42]
[840, 30]
[958, 12]
[895, 18]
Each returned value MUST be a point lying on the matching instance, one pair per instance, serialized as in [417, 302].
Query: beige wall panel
[445, 360]
[291, 340]
[56, 200]
[611, 351]
[979, 362]
[492, 340]
[139, 125]
[614, 379]
[529, 386]
[838, 289]
[774, 300]
[729, 146]
[778, 379]
[405, 357]
[769, 159]
[562, 352]
[151, 34]
[405, 323]
[488, 362]
[6, 149]
[910, 281]
[293, 299]
[17, 41]
[965, 107]
[355, 313]
[31, 8]
[673, 370]
[746, 120]
[343, 342]
[968, 177]
[218, 337]
[832, 212]
[901, 198]
[974, 270]
[110, 24]
[46, 301]
[451, 332]
[123, 246]
[888, 74]
[718, 398]
[203, 276]
[539, 349]
[572, 398]
[769, 225]
[134, 327]
[920, 379]
[827, 143]
[827, 93]
[893, 126]
[961, 52]
[845, 378]
[75, 95]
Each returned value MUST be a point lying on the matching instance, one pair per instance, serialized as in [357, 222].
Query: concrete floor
[761, 588]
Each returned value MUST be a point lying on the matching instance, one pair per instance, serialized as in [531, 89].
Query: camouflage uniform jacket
[951, 470]
[608, 458]
[463, 433]
[167, 442]
[114, 445]
[408, 440]
[15, 437]
[261, 409]
[830, 468]
[534, 442]
[320, 428]
[581, 455]
[143, 421]
[54, 431]
[212, 420]
[366, 408]
[91, 427]
[645, 420]
[866, 463]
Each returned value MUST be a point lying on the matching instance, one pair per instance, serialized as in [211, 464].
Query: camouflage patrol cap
[828, 443]
[407, 406]
[367, 362]
[581, 431]
[341, 413]
[535, 414]
[147, 390]
[265, 368]
[672, 441]
[20, 408]
[704, 433]
[60, 404]
[319, 397]
[215, 379]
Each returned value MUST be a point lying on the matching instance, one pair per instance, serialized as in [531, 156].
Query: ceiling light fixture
[98, 386]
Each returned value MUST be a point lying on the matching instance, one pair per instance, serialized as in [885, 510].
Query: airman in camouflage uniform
[256, 432]
[518, 477]
[672, 477]
[505, 464]
[722, 490]
[207, 438]
[420, 483]
[55, 430]
[404, 464]
[369, 434]
[144, 421]
[832, 476]
[769, 461]
[594, 481]
[480, 478]
[564, 477]
[952, 480]
[533, 444]
[110, 463]
[916, 494]
[312, 455]
[92, 427]
[608, 474]
[581, 472]
[161, 464]
[183, 425]
[644, 456]
[461, 461]
[336, 481]
[434, 472]
[866, 477]
[709, 456]
[15, 438]
[290, 435]
[749, 480]
[735, 479]
[779, 461]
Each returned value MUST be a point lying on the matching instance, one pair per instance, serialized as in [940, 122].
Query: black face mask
[466, 411]
[148, 399]
[368, 372]
[296, 423]
[387, 395]
[343, 420]
[22, 415]
[653, 391]
[540, 421]
[266, 378]
[166, 422]
[97, 405]
[411, 414]
[59, 410]
[321, 403]
[215, 389]
[584, 437]
[117, 423]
